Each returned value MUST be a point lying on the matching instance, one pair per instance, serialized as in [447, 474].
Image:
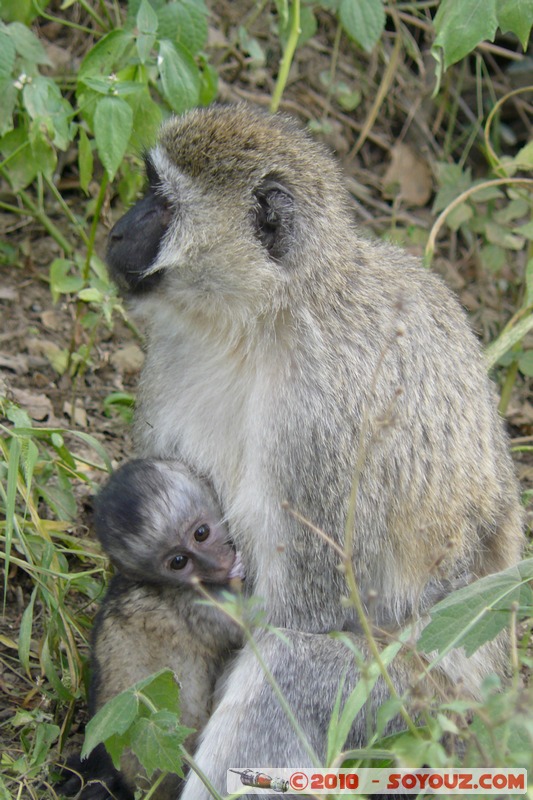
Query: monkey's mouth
[133, 282]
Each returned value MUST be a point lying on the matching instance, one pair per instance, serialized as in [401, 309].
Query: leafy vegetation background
[428, 106]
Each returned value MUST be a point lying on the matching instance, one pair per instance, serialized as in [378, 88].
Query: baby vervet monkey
[291, 360]
[163, 531]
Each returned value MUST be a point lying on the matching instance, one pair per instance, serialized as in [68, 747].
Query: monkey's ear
[273, 217]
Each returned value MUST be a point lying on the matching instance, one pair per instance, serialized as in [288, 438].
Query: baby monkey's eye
[201, 533]
[178, 562]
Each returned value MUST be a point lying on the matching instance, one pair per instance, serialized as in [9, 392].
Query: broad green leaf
[208, 84]
[493, 257]
[516, 16]
[183, 22]
[115, 717]
[43, 153]
[46, 106]
[363, 21]
[157, 740]
[21, 166]
[146, 18]
[91, 295]
[461, 25]
[85, 160]
[147, 117]
[525, 363]
[460, 214]
[8, 93]
[452, 182]
[113, 122]
[147, 25]
[27, 44]
[476, 613]
[525, 230]
[163, 690]
[193, 26]
[63, 279]
[308, 26]
[7, 55]
[45, 736]
[180, 77]
[107, 55]
[498, 234]
[524, 157]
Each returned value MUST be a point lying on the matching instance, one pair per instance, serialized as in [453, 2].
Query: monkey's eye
[201, 533]
[178, 562]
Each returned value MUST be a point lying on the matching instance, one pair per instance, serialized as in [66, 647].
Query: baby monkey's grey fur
[289, 358]
[163, 531]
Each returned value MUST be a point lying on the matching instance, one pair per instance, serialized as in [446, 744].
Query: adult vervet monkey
[287, 358]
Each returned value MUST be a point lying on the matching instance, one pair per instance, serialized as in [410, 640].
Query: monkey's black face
[135, 241]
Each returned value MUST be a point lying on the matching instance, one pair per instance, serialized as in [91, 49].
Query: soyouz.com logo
[264, 780]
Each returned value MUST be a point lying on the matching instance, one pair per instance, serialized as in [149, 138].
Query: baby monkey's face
[202, 553]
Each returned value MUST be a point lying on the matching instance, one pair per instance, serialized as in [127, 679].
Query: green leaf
[525, 230]
[476, 613]
[51, 672]
[363, 21]
[524, 157]
[8, 93]
[157, 740]
[106, 56]
[460, 214]
[308, 26]
[147, 23]
[27, 44]
[516, 16]
[162, 689]
[498, 234]
[180, 77]
[45, 736]
[193, 26]
[7, 55]
[184, 22]
[461, 25]
[113, 123]
[525, 363]
[340, 726]
[85, 160]
[91, 295]
[208, 83]
[24, 641]
[493, 257]
[62, 278]
[115, 717]
[21, 167]
[147, 117]
[43, 153]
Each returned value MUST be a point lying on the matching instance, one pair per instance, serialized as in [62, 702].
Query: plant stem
[94, 226]
[288, 55]
[47, 223]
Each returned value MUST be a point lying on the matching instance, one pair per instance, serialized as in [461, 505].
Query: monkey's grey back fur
[289, 359]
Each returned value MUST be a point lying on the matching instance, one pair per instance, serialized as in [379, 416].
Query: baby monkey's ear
[273, 216]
